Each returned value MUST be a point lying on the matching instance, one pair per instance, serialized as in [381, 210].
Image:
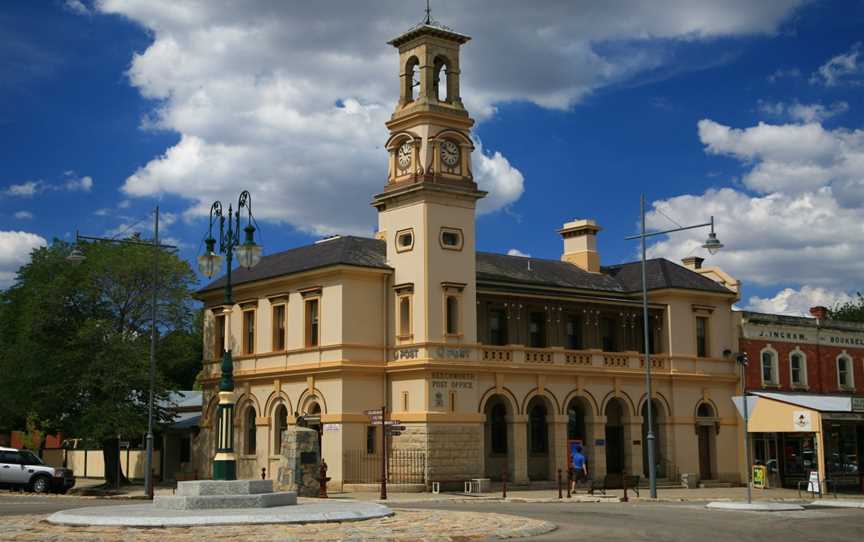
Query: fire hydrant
[322, 480]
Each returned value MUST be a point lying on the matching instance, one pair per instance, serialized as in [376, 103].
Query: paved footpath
[415, 525]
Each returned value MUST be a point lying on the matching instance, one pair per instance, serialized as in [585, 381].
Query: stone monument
[300, 463]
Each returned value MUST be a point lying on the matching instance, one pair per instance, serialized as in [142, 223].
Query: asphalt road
[596, 522]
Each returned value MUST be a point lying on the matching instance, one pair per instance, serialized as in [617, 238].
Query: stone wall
[300, 462]
[454, 452]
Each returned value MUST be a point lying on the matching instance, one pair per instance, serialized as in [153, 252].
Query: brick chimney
[819, 312]
[580, 244]
[693, 262]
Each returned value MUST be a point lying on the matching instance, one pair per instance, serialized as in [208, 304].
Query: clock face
[403, 156]
[449, 153]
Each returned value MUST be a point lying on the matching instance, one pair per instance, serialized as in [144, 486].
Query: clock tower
[427, 209]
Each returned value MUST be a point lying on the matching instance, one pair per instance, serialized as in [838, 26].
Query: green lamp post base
[225, 469]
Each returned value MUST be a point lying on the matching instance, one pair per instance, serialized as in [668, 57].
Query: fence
[90, 463]
[404, 467]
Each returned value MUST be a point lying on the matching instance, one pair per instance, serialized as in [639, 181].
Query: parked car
[22, 469]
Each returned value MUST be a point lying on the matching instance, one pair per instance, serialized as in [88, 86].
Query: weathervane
[428, 20]
[428, 13]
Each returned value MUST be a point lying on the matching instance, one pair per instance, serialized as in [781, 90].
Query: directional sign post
[383, 413]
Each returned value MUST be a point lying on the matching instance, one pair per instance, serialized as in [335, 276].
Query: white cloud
[517, 252]
[15, 249]
[840, 69]
[793, 158]
[782, 73]
[24, 215]
[83, 184]
[26, 190]
[76, 6]
[794, 302]
[288, 100]
[805, 113]
[71, 183]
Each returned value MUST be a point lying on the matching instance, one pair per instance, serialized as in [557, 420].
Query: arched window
[769, 368]
[576, 422]
[845, 372]
[412, 75]
[704, 411]
[250, 444]
[281, 424]
[539, 438]
[440, 79]
[798, 369]
[498, 423]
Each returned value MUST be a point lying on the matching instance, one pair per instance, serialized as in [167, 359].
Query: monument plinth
[212, 494]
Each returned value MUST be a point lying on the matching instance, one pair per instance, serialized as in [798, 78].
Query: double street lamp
[712, 245]
[248, 255]
[76, 257]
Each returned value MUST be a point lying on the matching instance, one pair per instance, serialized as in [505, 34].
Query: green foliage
[75, 340]
[851, 311]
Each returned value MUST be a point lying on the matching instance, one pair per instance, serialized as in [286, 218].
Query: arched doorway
[579, 412]
[615, 456]
[658, 414]
[539, 447]
[706, 430]
[497, 437]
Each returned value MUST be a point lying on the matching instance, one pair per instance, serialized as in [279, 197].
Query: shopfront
[793, 435]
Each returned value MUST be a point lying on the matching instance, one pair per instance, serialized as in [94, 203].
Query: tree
[76, 339]
[851, 311]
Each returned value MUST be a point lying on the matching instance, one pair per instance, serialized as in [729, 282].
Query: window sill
[800, 387]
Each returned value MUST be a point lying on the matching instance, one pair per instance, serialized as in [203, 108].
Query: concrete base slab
[210, 502]
[755, 507]
[198, 488]
[835, 503]
[146, 515]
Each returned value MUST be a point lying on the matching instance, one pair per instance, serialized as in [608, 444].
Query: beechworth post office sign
[802, 336]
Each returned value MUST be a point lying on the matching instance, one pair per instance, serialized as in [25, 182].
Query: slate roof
[491, 267]
[782, 319]
[346, 250]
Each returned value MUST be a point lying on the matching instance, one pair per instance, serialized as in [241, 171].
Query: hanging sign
[801, 420]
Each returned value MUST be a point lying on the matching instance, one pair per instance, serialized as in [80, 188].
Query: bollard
[263, 473]
[559, 484]
[504, 483]
[322, 480]
[569, 482]
[625, 499]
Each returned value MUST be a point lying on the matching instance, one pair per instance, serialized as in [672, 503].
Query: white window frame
[851, 371]
[803, 369]
[776, 370]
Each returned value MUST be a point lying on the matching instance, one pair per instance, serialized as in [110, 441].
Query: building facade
[808, 376]
[491, 362]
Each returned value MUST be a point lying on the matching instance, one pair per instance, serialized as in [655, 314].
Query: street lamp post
[76, 257]
[248, 255]
[743, 360]
[712, 245]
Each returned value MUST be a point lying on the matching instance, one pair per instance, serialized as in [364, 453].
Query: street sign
[375, 412]
[392, 422]
[394, 433]
[393, 428]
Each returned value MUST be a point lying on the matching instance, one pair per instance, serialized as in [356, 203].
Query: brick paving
[405, 525]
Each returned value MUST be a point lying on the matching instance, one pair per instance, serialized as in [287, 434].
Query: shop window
[797, 369]
[845, 378]
[498, 428]
[452, 315]
[497, 327]
[312, 322]
[249, 447]
[769, 368]
[219, 336]
[451, 238]
[608, 339]
[281, 425]
[405, 317]
[370, 439]
[279, 327]
[702, 337]
[573, 329]
[249, 332]
[537, 330]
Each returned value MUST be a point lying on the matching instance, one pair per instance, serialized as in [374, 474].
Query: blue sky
[749, 111]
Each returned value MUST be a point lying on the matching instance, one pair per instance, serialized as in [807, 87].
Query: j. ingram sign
[798, 335]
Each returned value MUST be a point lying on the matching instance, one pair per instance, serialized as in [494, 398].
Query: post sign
[760, 476]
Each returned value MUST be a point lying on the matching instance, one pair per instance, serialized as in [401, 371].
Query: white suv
[21, 468]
